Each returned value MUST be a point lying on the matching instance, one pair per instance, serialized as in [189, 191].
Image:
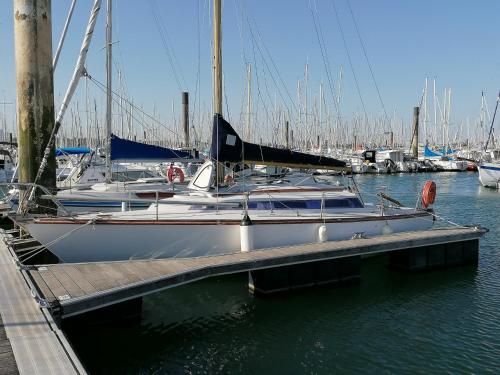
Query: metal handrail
[31, 188]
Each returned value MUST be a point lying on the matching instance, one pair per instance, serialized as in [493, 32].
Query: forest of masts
[315, 122]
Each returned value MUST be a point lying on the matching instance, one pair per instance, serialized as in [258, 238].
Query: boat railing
[30, 198]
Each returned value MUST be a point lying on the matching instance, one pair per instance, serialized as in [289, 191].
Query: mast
[481, 118]
[426, 118]
[435, 108]
[217, 59]
[249, 99]
[108, 88]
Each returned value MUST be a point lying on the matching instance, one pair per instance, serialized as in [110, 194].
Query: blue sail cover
[125, 150]
[429, 153]
[72, 151]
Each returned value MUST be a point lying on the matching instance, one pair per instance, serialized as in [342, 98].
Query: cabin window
[202, 181]
[343, 203]
[283, 205]
[313, 204]
[260, 205]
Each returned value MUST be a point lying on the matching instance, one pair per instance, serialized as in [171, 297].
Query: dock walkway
[27, 332]
[72, 289]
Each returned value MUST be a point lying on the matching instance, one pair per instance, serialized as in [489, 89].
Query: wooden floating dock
[72, 289]
[30, 340]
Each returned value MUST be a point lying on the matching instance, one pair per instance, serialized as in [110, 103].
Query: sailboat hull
[114, 240]
[489, 174]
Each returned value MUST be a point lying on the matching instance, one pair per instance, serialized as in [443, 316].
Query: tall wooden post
[185, 118]
[35, 88]
[287, 140]
[414, 139]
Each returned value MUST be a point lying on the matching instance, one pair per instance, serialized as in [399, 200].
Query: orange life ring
[428, 193]
[173, 173]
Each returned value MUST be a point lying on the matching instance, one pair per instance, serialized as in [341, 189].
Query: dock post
[185, 118]
[414, 138]
[287, 139]
[35, 89]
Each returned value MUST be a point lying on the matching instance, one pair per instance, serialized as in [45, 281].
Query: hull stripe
[230, 222]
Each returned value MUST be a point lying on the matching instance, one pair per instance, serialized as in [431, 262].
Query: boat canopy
[125, 150]
[72, 151]
[429, 153]
[227, 146]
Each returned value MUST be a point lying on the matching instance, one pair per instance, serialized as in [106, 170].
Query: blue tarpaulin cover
[125, 150]
[72, 151]
[429, 153]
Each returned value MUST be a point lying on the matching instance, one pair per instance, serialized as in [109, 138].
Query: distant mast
[108, 89]
[217, 59]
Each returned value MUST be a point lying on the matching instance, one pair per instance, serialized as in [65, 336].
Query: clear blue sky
[454, 41]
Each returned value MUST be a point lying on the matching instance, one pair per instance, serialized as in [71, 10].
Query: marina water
[392, 322]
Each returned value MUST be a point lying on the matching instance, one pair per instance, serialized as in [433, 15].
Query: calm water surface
[446, 321]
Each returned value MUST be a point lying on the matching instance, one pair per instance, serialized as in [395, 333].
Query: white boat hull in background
[489, 174]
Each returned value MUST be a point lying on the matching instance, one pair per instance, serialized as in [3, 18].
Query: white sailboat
[489, 172]
[208, 221]
[223, 214]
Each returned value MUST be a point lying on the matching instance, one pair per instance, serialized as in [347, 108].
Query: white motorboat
[489, 174]
[366, 162]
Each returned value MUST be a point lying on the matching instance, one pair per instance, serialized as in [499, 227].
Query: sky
[163, 47]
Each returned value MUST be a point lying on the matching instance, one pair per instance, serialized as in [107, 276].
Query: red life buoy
[428, 193]
[173, 173]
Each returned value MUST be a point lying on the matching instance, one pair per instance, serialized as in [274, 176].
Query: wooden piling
[287, 139]
[185, 118]
[414, 139]
[35, 89]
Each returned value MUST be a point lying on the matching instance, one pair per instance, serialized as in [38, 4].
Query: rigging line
[165, 41]
[102, 87]
[63, 35]
[121, 66]
[239, 25]
[176, 61]
[259, 93]
[272, 62]
[349, 57]
[324, 54]
[197, 89]
[367, 60]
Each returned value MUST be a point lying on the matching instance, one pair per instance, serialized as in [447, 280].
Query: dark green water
[446, 321]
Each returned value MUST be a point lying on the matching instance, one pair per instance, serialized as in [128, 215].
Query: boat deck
[72, 289]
